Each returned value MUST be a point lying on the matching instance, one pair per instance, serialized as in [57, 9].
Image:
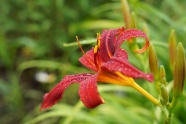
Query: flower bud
[162, 75]
[133, 23]
[153, 62]
[145, 29]
[162, 101]
[164, 94]
[172, 49]
[179, 71]
[126, 13]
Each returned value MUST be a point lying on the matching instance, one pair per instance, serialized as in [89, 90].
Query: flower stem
[146, 94]
[173, 104]
[127, 81]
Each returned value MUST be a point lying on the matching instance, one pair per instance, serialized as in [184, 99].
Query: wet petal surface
[117, 65]
[88, 92]
[88, 60]
[56, 93]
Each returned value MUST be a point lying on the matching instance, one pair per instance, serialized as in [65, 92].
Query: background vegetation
[32, 37]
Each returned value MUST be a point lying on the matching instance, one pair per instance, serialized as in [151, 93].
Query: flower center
[115, 78]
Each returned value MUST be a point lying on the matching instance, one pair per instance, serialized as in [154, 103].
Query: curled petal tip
[41, 108]
[95, 104]
[120, 30]
[103, 101]
[132, 33]
[45, 96]
[144, 48]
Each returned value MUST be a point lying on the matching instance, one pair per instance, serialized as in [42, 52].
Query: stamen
[97, 46]
[98, 40]
[80, 46]
[96, 49]
[84, 52]
[129, 81]
[144, 48]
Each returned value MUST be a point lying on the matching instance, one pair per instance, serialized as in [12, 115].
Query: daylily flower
[110, 64]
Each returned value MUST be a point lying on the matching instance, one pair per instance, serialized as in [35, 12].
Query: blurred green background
[33, 58]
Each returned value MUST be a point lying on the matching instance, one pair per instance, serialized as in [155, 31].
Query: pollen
[96, 49]
[97, 46]
[98, 40]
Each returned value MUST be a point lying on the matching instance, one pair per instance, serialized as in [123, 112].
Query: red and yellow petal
[117, 65]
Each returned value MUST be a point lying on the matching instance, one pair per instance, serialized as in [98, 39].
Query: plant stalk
[146, 94]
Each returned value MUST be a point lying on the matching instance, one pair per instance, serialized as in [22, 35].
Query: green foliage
[32, 38]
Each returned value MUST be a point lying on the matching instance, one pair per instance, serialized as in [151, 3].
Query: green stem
[170, 110]
[173, 104]
[169, 120]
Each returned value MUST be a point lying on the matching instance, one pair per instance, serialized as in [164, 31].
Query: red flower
[110, 63]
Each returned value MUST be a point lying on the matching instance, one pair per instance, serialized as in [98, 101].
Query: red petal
[121, 54]
[88, 60]
[128, 34]
[107, 46]
[56, 93]
[116, 64]
[88, 92]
